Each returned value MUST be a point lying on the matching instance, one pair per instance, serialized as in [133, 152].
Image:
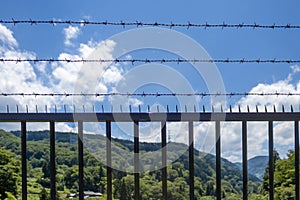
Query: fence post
[24, 161]
[191, 159]
[164, 159]
[108, 160]
[218, 161]
[245, 160]
[52, 160]
[80, 160]
[271, 161]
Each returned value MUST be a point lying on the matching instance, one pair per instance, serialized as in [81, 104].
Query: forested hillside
[95, 171]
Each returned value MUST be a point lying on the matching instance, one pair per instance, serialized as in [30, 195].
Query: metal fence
[163, 118]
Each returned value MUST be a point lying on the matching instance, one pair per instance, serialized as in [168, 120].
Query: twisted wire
[179, 60]
[153, 94]
[154, 24]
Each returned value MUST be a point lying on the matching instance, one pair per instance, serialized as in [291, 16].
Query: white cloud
[257, 131]
[83, 77]
[25, 77]
[71, 32]
[6, 36]
[257, 140]
[112, 75]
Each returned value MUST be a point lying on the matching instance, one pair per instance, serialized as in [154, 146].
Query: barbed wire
[179, 60]
[155, 24]
[203, 94]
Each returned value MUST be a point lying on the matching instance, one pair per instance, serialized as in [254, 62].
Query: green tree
[284, 177]
[265, 184]
[9, 174]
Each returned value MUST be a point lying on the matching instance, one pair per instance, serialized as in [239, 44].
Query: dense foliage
[9, 174]
[284, 177]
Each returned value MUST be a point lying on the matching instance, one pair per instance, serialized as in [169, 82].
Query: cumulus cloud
[26, 77]
[231, 132]
[112, 75]
[70, 33]
[258, 131]
[6, 36]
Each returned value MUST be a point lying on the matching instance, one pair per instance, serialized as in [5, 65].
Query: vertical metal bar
[245, 160]
[297, 159]
[52, 160]
[80, 160]
[271, 161]
[164, 159]
[108, 160]
[191, 159]
[24, 162]
[136, 161]
[218, 160]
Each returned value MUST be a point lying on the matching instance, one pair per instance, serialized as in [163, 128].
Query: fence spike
[248, 109]
[121, 109]
[102, 107]
[17, 108]
[167, 108]
[157, 107]
[203, 107]
[239, 108]
[266, 110]
[256, 108]
[176, 108]
[130, 110]
[93, 108]
[212, 108]
[185, 108]
[74, 108]
[195, 109]
[274, 108]
[27, 108]
[46, 110]
[65, 109]
[7, 108]
[282, 108]
[148, 107]
[83, 107]
[36, 109]
[292, 109]
[139, 108]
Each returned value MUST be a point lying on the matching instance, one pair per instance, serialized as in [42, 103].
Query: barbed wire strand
[155, 24]
[153, 94]
[179, 60]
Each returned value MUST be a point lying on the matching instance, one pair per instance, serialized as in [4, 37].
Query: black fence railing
[163, 118]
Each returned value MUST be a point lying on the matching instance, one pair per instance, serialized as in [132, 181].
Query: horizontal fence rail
[163, 118]
[148, 117]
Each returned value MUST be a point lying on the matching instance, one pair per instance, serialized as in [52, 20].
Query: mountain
[256, 166]
[95, 171]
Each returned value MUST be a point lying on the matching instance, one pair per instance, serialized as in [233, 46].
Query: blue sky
[228, 43]
[61, 41]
